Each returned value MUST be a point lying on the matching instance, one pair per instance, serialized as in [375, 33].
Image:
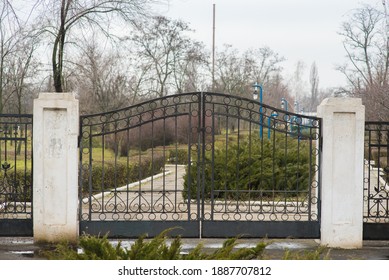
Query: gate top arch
[194, 104]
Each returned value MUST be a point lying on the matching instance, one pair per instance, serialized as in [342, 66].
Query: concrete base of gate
[55, 193]
[342, 172]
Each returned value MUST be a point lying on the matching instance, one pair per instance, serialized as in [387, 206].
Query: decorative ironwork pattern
[15, 167]
[123, 174]
[199, 157]
[254, 177]
[376, 176]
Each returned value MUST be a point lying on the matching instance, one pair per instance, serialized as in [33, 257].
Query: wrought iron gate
[16, 175]
[205, 164]
[376, 181]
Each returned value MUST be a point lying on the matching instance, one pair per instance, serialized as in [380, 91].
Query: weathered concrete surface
[23, 248]
[342, 172]
[55, 190]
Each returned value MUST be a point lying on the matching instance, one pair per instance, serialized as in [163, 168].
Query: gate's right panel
[376, 181]
[260, 170]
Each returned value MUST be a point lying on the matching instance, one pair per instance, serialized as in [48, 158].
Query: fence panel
[16, 175]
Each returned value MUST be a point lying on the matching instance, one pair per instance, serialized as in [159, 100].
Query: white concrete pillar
[342, 172]
[55, 192]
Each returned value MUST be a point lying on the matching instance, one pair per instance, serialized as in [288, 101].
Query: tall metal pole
[213, 48]
[257, 86]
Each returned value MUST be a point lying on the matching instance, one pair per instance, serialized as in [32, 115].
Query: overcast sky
[304, 30]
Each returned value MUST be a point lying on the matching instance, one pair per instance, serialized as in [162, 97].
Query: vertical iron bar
[237, 179]
[103, 169]
[226, 160]
[298, 172]
[152, 166]
[127, 168]
[203, 143]
[250, 168]
[117, 154]
[90, 168]
[310, 179]
[31, 165]
[139, 165]
[213, 163]
[190, 163]
[176, 159]
[25, 179]
[164, 160]
[199, 162]
[320, 147]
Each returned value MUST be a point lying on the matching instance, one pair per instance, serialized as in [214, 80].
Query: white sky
[304, 30]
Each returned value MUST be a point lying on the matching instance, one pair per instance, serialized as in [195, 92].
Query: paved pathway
[160, 198]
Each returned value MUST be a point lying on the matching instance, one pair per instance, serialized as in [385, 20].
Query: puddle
[27, 254]
[22, 252]
[286, 246]
[16, 240]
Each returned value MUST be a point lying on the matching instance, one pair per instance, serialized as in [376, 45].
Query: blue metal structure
[257, 87]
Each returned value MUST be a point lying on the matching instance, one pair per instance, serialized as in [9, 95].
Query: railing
[16, 175]
[376, 177]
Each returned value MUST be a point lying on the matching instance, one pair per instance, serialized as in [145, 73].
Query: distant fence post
[55, 193]
[342, 172]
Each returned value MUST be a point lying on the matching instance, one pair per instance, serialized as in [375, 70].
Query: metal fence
[16, 175]
[214, 165]
[376, 181]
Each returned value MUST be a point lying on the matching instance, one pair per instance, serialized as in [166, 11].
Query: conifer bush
[112, 175]
[157, 248]
[256, 167]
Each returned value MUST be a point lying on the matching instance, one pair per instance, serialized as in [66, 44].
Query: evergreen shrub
[111, 175]
[255, 167]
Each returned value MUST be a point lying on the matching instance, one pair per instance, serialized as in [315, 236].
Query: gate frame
[298, 229]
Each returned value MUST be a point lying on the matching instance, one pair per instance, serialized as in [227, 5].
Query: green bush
[110, 175]
[16, 186]
[95, 248]
[179, 156]
[282, 165]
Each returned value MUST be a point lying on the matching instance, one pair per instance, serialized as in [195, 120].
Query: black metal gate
[376, 181]
[16, 175]
[205, 164]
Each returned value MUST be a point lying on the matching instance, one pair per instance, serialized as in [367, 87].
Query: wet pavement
[23, 248]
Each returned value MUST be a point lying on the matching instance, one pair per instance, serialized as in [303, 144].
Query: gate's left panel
[132, 168]
[16, 175]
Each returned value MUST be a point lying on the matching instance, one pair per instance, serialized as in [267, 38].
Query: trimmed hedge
[179, 156]
[282, 165]
[16, 188]
[110, 176]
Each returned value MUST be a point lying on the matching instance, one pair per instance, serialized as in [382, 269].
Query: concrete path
[160, 198]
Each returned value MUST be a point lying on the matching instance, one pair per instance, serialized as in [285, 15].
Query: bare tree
[236, 73]
[360, 35]
[263, 63]
[102, 80]
[61, 17]
[22, 68]
[232, 73]
[165, 50]
[9, 27]
[190, 71]
[365, 42]
[18, 43]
